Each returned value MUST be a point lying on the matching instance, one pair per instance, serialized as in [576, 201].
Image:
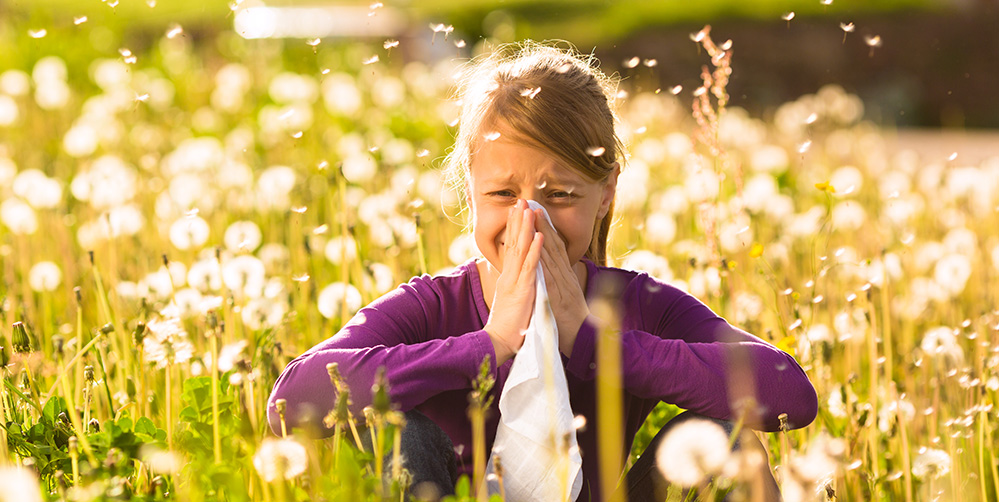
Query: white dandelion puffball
[44, 276]
[288, 87]
[693, 451]
[462, 248]
[8, 111]
[702, 185]
[19, 217]
[952, 273]
[242, 235]
[109, 182]
[931, 463]
[847, 180]
[15, 83]
[332, 298]
[649, 262]
[37, 189]
[244, 275]
[161, 461]
[340, 249]
[19, 485]
[942, 342]
[263, 313]
[205, 275]
[280, 459]
[769, 159]
[81, 139]
[189, 232]
[359, 168]
[341, 95]
[660, 228]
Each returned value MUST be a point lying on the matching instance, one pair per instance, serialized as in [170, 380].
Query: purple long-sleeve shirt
[429, 336]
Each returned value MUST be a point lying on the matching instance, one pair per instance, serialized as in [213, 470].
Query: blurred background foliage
[933, 65]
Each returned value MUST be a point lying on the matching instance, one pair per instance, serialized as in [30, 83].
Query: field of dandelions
[180, 221]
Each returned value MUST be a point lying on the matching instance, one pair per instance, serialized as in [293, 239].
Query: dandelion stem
[216, 438]
[609, 402]
[169, 405]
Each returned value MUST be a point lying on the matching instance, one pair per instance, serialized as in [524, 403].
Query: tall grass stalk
[213, 341]
[610, 413]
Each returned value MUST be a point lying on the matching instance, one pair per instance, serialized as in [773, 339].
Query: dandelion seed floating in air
[174, 30]
[650, 63]
[847, 28]
[314, 43]
[530, 93]
[371, 60]
[676, 89]
[872, 42]
[390, 44]
[422, 153]
[595, 151]
[633, 62]
[152, 3]
[952, 156]
[141, 98]
[79, 20]
[38, 33]
[697, 37]
[127, 54]
[788, 17]
[459, 43]
[804, 147]
[812, 118]
[492, 136]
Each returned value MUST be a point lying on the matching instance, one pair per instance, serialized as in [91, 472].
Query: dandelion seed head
[44, 277]
[280, 459]
[334, 297]
[693, 451]
[931, 463]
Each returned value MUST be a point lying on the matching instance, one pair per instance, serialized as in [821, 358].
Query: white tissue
[536, 440]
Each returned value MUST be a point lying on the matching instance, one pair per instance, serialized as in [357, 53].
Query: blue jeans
[428, 455]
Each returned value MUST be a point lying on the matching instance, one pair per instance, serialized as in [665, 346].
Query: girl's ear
[608, 191]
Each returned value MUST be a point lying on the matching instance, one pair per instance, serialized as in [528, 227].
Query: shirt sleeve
[685, 354]
[396, 332]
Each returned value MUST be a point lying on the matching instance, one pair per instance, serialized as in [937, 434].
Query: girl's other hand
[513, 300]
[565, 293]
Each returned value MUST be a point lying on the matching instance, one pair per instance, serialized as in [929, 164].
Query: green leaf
[53, 407]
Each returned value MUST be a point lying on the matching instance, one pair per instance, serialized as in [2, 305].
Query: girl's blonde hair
[551, 98]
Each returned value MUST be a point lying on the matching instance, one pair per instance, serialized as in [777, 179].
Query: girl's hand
[564, 291]
[513, 300]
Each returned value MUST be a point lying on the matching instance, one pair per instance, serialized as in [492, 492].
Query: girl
[536, 123]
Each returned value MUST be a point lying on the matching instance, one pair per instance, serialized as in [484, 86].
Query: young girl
[536, 123]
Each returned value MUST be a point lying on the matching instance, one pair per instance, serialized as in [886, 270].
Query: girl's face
[503, 171]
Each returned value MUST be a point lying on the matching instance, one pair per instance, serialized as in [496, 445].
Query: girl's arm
[677, 350]
[393, 332]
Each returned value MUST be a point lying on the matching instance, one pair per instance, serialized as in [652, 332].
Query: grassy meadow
[178, 222]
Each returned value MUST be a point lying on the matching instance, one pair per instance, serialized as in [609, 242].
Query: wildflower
[649, 262]
[942, 342]
[242, 235]
[262, 313]
[166, 343]
[952, 272]
[279, 459]
[189, 232]
[161, 461]
[333, 297]
[44, 276]
[693, 451]
[244, 275]
[8, 111]
[15, 83]
[660, 228]
[341, 249]
[20, 484]
[205, 275]
[37, 189]
[931, 463]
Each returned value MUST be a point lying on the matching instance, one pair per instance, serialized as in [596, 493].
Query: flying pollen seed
[595, 151]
